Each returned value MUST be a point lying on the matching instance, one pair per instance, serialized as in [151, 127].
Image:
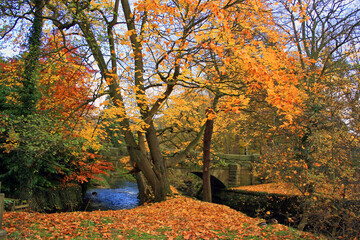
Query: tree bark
[207, 195]
[145, 191]
[159, 164]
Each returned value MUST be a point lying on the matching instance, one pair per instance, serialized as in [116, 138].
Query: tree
[148, 50]
[314, 154]
[29, 92]
[161, 32]
[66, 82]
[47, 148]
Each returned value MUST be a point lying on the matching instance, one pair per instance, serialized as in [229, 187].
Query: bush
[40, 153]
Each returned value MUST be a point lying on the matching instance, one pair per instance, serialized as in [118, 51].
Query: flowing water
[122, 195]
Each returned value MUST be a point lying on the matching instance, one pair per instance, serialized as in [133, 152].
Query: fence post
[2, 232]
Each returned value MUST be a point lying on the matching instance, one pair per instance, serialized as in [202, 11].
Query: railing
[2, 232]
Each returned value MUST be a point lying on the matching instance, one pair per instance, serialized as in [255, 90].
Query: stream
[122, 194]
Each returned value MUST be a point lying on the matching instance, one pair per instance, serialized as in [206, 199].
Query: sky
[8, 52]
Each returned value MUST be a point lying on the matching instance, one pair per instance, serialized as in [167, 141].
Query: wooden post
[1, 208]
[2, 232]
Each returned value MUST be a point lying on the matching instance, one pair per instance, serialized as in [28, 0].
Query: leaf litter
[177, 218]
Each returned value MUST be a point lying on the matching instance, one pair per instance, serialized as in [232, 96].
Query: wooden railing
[2, 232]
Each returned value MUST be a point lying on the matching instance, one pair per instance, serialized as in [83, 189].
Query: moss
[102, 182]
[60, 199]
[188, 184]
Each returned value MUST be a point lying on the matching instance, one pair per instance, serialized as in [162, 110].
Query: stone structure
[234, 175]
[238, 171]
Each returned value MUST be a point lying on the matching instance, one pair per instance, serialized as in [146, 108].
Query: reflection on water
[121, 195]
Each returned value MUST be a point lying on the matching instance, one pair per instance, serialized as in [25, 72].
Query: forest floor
[331, 191]
[177, 218]
[276, 188]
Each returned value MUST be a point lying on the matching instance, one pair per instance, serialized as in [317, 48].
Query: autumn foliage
[57, 143]
[64, 82]
[179, 217]
[282, 78]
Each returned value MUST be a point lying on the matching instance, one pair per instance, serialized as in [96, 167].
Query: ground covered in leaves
[352, 191]
[277, 188]
[176, 218]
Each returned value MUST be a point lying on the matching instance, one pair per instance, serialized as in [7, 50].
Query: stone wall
[60, 199]
[234, 175]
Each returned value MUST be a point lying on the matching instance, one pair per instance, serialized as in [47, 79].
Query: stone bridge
[238, 172]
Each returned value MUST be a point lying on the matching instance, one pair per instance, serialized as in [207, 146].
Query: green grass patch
[164, 229]
[136, 235]
[252, 237]
[228, 234]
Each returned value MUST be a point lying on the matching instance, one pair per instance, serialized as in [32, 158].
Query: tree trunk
[305, 215]
[30, 93]
[145, 192]
[159, 174]
[207, 195]
[160, 170]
